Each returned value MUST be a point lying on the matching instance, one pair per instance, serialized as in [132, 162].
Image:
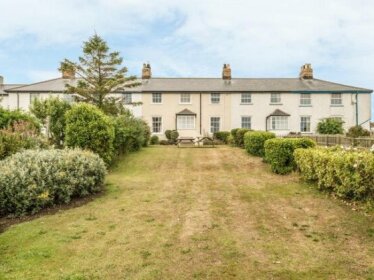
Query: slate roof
[186, 112]
[278, 112]
[5, 87]
[210, 85]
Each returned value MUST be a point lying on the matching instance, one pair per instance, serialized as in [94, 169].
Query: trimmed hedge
[87, 127]
[239, 139]
[32, 180]
[154, 140]
[254, 142]
[279, 152]
[349, 174]
[221, 135]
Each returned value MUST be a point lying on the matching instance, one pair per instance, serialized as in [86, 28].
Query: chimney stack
[146, 71]
[67, 70]
[306, 71]
[226, 72]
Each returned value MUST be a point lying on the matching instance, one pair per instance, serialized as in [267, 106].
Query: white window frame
[336, 99]
[127, 98]
[185, 98]
[155, 97]
[186, 122]
[246, 98]
[278, 122]
[305, 99]
[308, 122]
[215, 98]
[248, 122]
[153, 123]
[275, 98]
[212, 130]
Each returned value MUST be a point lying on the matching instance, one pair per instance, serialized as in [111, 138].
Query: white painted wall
[290, 103]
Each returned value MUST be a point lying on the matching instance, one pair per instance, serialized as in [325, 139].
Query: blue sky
[267, 38]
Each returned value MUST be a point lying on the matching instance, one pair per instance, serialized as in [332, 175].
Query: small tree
[330, 126]
[87, 127]
[100, 73]
[51, 112]
[357, 131]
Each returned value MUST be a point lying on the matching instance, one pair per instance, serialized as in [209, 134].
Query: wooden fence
[333, 140]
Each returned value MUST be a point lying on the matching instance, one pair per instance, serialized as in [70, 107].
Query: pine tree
[100, 73]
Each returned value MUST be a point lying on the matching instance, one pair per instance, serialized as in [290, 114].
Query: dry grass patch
[173, 213]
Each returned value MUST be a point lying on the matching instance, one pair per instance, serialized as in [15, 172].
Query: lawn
[171, 213]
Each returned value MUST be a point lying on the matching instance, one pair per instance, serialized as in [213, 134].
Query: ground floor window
[279, 122]
[215, 124]
[246, 122]
[156, 124]
[185, 122]
[305, 124]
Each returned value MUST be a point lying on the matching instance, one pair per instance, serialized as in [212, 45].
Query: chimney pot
[306, 71]
[146, 71]
[226, 72]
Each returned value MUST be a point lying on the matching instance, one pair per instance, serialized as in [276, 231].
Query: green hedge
[32, 180]
[154, 140]
[221, 135]
[279, 152]
[8, 118]
[254, 142]
[350, 174]
[87, 127]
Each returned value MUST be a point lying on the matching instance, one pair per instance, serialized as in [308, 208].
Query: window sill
[156, 103]
[246, 103]
[215, 103]
[275, 103]
[305, 106]
[182, 103]
[332, 105]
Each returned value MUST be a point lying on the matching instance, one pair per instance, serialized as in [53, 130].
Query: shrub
[129, 134]
[348, 173]
[168, 134]
[146, 133]
[89, 128]
[230, 140]
[164, 142]
[233, 134]
[51, 113]
[279, 152]
[8, 118]
[174, 136]
[154, 140]
[221, 135]
[357, 131]
[240, 137]
[330, 126]
[254, 142]
[32, 180]
[20, 137]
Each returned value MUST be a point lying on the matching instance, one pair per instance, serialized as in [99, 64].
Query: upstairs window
[275, 98]
[246, 98]
[127, 98]
[185, 98]
[215, 98]
[305, 99]
[336, 99]
[156, 97]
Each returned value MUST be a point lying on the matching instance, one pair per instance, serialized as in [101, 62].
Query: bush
[130, 134]
[20, 137]
[154, 140]
[233, 134]
[254, 142]
[146, 133]
[168, 134]
[330, 126]
[348, 173]
[89, 128]
[279, 152]
[230, 140]
[174, 136]
[221, 135]
[51, 113]
[357, 131]
[8, 118]
[32, 180]
[164, 142]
